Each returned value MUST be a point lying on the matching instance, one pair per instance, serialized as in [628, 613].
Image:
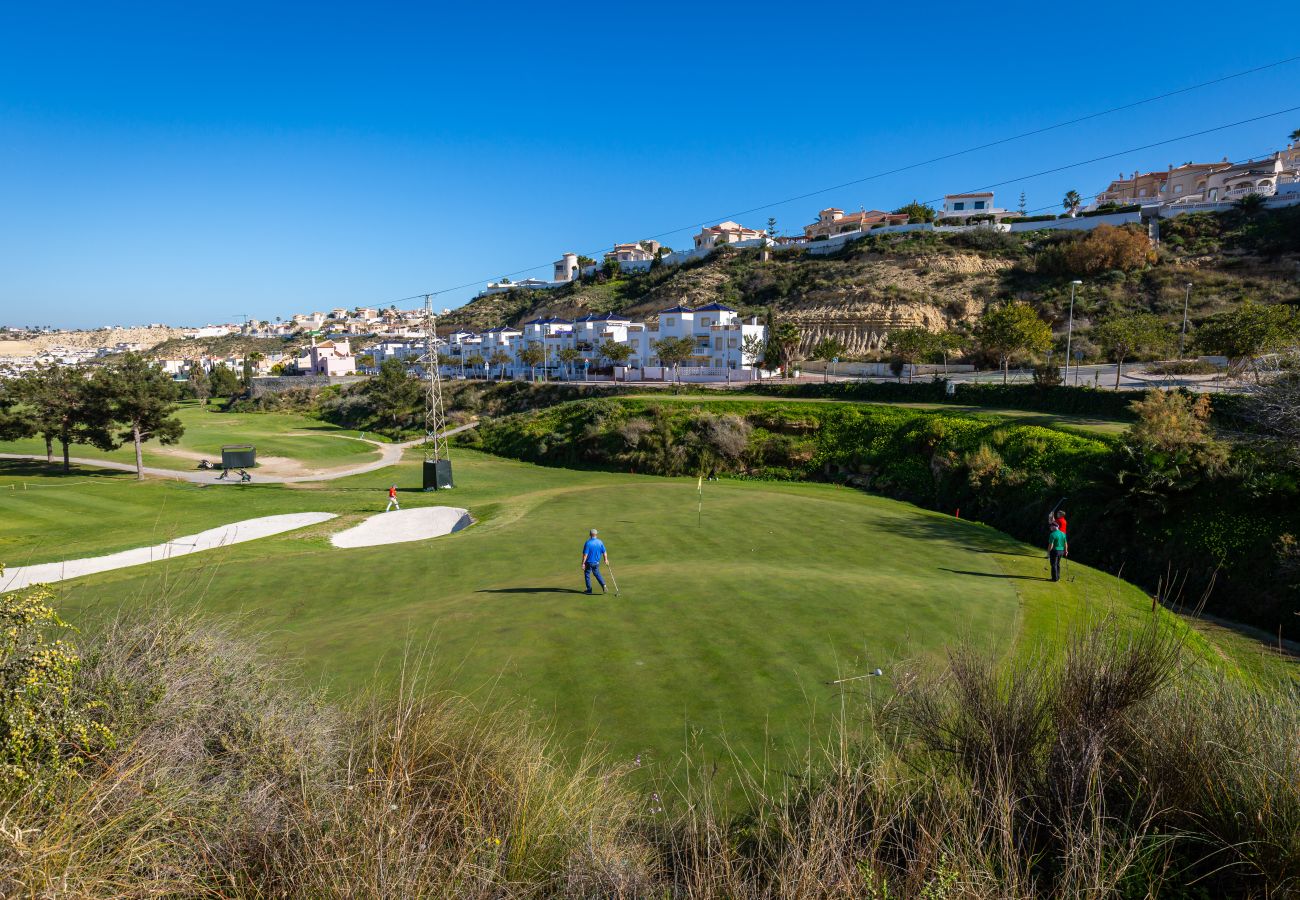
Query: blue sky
[189, 163]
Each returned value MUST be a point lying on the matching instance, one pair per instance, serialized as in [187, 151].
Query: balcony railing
[1238, 193]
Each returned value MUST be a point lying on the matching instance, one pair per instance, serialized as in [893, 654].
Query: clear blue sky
[189, 162]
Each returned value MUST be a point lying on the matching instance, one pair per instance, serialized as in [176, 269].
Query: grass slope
[724, 635]
[288, 436]
[1087, 425]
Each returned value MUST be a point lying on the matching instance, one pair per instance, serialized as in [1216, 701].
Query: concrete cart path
[222, 536]
[389, 455]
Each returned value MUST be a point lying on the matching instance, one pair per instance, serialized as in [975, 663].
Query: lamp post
[1069, 331]
[1182, 335]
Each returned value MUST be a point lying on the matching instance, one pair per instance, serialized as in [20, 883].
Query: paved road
[389, 455]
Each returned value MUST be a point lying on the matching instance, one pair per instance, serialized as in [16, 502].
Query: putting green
[287, 443]
[723, 637]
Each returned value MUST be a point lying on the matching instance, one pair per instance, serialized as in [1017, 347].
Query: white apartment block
[717, 330]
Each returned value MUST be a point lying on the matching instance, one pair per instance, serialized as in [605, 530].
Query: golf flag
[699, 513]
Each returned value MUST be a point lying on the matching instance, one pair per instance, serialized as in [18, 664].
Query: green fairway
[724, 635]
[287, 443]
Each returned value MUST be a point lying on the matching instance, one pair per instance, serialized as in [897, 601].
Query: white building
[725, 233]
[566, 268]
[717, 331]
[641, 251]
[964, 205]
[328, 358]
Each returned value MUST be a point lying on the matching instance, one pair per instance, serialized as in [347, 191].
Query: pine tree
[68, 409]
[142, 398]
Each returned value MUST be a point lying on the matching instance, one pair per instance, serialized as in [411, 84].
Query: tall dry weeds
[1110, 771]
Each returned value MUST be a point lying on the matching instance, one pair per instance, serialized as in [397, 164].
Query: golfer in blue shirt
[593, 554]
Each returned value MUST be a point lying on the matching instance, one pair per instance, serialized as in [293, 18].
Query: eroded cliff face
[862, 307]
[857, 301]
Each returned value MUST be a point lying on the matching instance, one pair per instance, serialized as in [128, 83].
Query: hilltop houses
[725, 233]
[641, 251]
[834, 221]
[1209, 182]
[978, 203]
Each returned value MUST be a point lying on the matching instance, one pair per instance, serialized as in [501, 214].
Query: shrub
[1106, 247]
[1013, 219]
[1111, 209]
[45, 731]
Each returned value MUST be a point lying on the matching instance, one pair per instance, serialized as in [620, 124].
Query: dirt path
[221, 536]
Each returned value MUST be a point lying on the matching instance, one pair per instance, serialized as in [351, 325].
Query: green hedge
[1085, 401]
[1131, 207]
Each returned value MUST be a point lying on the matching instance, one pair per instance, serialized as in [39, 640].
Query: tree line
[132, 400]
[1013, 331]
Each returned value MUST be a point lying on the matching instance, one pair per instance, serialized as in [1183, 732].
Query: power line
[1095, 159]
[957, 153]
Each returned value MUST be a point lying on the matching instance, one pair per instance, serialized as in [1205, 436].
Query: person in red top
[1060, 520]
[392, 499]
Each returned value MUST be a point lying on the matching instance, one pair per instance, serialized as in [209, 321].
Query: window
[670, 322]
[959, 205]
[1178, 189]
[979, 204]
[731, 342]
[717, 343]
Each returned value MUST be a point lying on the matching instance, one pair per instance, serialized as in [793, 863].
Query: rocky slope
[107, 338]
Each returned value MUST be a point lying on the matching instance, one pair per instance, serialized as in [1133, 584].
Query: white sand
[404, 525]
[234, 533]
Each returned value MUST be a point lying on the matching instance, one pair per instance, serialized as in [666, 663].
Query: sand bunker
[234, 533]
[404, 525]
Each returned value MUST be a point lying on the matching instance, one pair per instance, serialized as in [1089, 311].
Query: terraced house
[719, 334]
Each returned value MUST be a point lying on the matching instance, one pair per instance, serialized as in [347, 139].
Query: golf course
[287, 443]
[737, 604]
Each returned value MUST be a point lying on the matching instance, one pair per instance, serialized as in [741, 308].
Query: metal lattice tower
[435, 421]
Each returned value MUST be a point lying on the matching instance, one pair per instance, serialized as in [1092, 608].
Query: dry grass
[1109, 771]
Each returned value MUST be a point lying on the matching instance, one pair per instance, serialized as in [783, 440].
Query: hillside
[236, 345]
[89, 340]
[884, 282]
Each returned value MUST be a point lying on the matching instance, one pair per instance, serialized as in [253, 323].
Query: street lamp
[1069, 332]
[1182, 336]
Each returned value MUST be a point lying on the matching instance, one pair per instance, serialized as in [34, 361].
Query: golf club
[612, 578]
[871, 674]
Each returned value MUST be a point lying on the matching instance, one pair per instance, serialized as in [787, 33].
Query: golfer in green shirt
[1057, 547]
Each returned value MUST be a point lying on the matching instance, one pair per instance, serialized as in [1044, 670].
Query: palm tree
[533, 356]
[1294, 136]
[785, 340]
[501, 359]
[475, 362]
[1251, 205]
[1072, 202]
